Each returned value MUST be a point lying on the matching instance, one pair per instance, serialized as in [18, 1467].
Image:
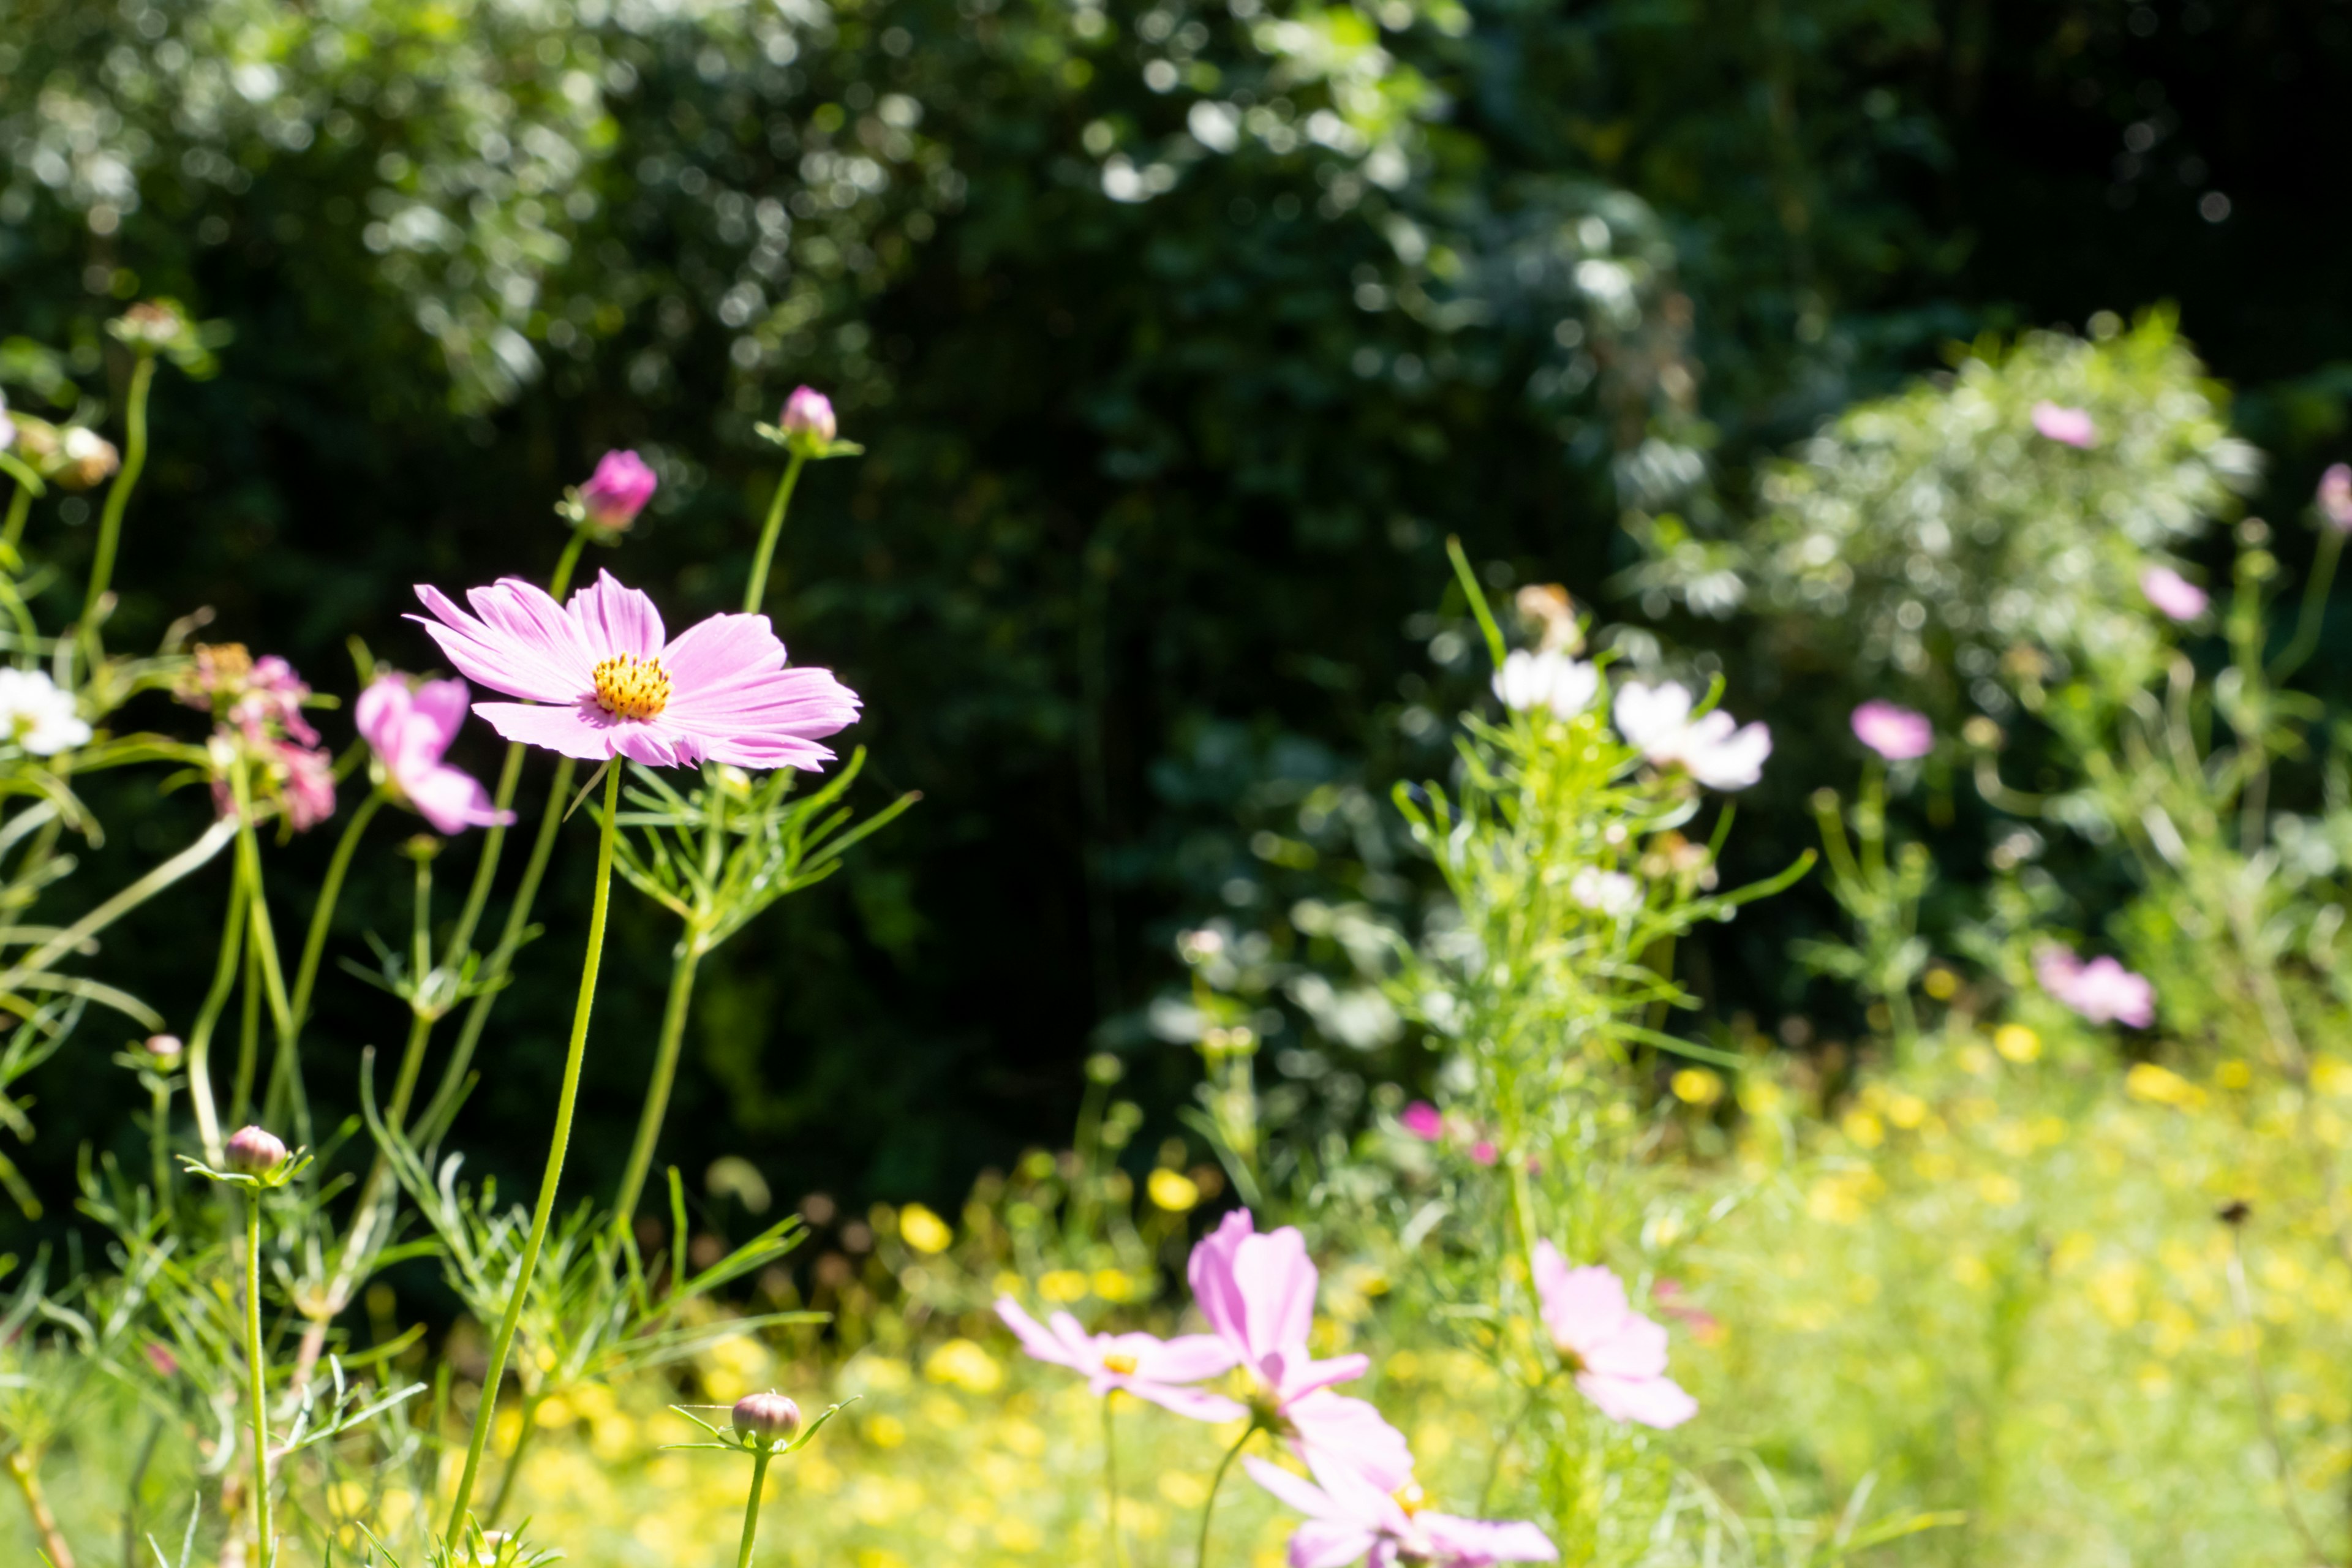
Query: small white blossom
[1714, 747]
[7, 426]
[1610, 893]
[35, 715]
[1546, 680]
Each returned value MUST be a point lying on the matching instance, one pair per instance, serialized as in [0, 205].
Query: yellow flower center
[628, 686]
[1121, 1365]
[1410, 1497]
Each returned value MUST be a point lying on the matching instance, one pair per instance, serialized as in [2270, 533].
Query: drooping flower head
[1713, 748]
[1546, 680]
[2175, 595]
[1148, 1367]
[807, 420]
[1258, 1294]
[409, 729]
[1350, 1517]
[37, 716]
[1618, 1355]
[2334, 496]
[256, 707]
[2067, 427]
[2102, 991]
[603, 682]
[1895, 733]
[618, 491]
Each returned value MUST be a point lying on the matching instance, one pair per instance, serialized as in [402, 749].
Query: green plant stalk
[2315, 605]
[257, 1372]
[1110, 1479]
[666, 1055]
[331, 892]
[207, 845]
[117, 497]
[756, 588]
[560, 578]
[502, 1345]
[248, 1032]
[159, 1138]
[20, 506]
[286, 1088]
[1216, 1483]
[759, 1458]
[513, 1471]
[200, 1037]
[22, 1470]
[494, 839]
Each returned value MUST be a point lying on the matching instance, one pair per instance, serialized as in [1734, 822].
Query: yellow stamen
[1408, 1497]
[628, 686]
[1121, 1365]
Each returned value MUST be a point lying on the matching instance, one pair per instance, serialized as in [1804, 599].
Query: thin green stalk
[760, 1458]
[757, 588]
[666, 1055]
[331, 892]
[486, 1410]
[257, 1375]
[20, 506]
[159, 1138]
[117, 496]
[562, 577]
[494, 842]
[1503, 1446]
[1209, 1509]
[23, 1472]
[1111, 1478]
[514, 1460]
[286, 1089]
[2315, 605]
[200, 1037]
[248, 1030]
[195, 856]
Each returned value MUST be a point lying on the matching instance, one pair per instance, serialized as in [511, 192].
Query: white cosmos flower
[35, 715]
[1548, 679]
[1605, 892]
[1714, 747]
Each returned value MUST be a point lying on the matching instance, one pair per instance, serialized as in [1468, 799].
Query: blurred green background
[1180, 340]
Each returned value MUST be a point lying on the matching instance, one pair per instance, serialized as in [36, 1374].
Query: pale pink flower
[617, 491]
[2068, 427]
[1712, 748]
[1898, 734]
[1484, 1152]
[808, 417]
[409, 730]
[1547, 679]
[603, 683]
[2103, 990]
[1350, 1517]
[1145, 1366]
[1618, 1355]
[2175, 595]
[1258, 1294]
[2334, 497]
[1422, 1119]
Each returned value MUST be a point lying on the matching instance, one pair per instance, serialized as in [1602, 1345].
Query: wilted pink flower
[273, 695]
[2175, 595]
[1422, 1119]
[1258, 1295]
[409, 730]
[1712, 748]
[1898, 734]
[603, 683]
[2334, 497]
[2070, 426]
[1618, 1355]
[1148, 1367]
[617, 491]
[307, 787]
[2103, 990]
[808, 417]
[1350, 1517]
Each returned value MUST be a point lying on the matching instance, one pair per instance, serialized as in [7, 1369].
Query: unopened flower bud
[807, 418]
[618, 491]
[769, 1414]
[151, 325]
[165, 1050]
[254, 1152]
[2335, 498]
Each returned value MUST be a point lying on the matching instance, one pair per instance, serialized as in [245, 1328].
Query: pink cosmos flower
[603, 683]
[307, 784]
[1145, 1366]
[2335, 497]
[1618, 1355]
[617, 491]
[808, 417]
[1898, 734]
[1258, 1295]
[2175, 595]
[2103, 990]
[1350, 1517]
[2069, 426]
[1712, 747]
[408, 731]
[1422, 1119]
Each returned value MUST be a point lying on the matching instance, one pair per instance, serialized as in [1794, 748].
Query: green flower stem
[1111, 1478]
[561, 578]
[2315, 605]
[20, 506]
[331, 892]
[757, 589]
[494, 842]
[759, 1458]
[503, 1344]
[200, 1037]
[513, 1471]
[159, 1138]
[118, 498]
[248, 1031]
[195, 855]
[286, 1091]
[1216, 1482]
[666, 1054]
[257, 1372]
[23, 1472]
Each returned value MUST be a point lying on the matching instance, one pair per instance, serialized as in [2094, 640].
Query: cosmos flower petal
[452, 800]
[562, 730]
[520, 652]
[1188, 1358]
[1479, 1541]
[617, 619]
[1194, 1404]
[1657, 1402]
[1041, 1344]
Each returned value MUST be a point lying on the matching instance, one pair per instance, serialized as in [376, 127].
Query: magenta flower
[1422, 1119]
[1145, 1366]
[2068, 427]
[409, 730]
[1350, 1517]
[2175, 595]
[807, 418]
[2103, 990]
[1484, 1152]
[1258, 1295]
[2335, 497]
[1619, 1356]
[1898, 734]
[603, 683]
[617, 491]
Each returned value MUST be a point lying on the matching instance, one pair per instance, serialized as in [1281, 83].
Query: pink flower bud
[2175, 595]
[2335, 498]
[618, 490]
[1422, 1119]
[769, 1414]
[1898, 734]
[254, 1152]
[808, 417]
[165, 1050]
